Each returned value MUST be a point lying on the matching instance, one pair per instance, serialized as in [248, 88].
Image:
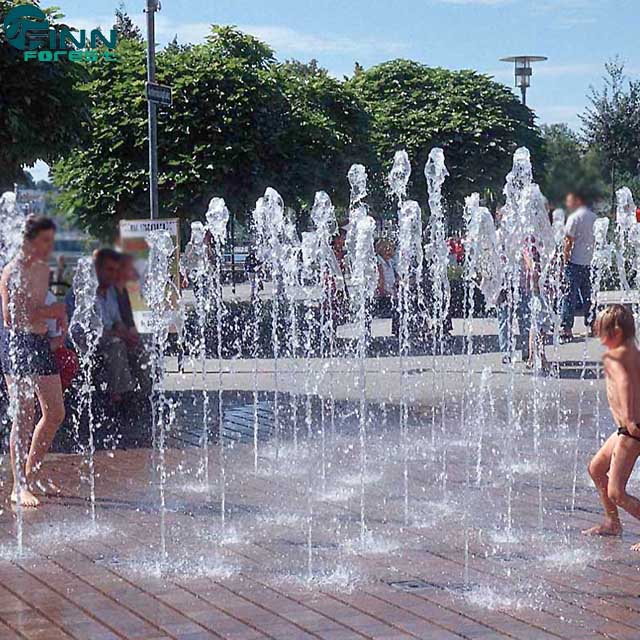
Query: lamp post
[151, 8]
[523, 71]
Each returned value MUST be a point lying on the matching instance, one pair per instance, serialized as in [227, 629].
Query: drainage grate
[238, 423]
[510, 557]
[414, 585]
[107, 561]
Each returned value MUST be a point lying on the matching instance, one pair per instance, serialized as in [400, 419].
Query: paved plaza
[484, 542]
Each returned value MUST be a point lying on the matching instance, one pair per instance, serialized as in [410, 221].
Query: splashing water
[159, 292]
[364, 278]
[217, 219]
[85, 330]
[195, 266]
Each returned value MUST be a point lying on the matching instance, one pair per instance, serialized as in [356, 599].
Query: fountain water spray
[512, 242]
[436, 253]
[22, 389]
[309, 253]
[85, 331]
[291, 282]
[436, 249]
[409, 267]
[160, 293]
[482, 269]
[195, 266]
[269, 227]
[217, 219]
[482, 259]
[331, 281]
[364, 278]
[625, 225]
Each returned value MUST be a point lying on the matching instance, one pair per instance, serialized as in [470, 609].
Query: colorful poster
[133, 240]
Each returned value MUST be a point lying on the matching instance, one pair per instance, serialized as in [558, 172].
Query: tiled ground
[97, 582]
[453, 570]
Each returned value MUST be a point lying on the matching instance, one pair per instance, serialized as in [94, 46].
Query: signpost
[159, 94]
[152, 7]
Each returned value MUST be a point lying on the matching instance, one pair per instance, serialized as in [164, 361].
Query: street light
[523, 71]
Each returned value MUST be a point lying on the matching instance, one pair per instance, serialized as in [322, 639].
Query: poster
[133, 240]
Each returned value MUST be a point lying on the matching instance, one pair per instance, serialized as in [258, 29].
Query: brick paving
[450, 572]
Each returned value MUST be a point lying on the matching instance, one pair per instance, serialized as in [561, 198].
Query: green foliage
[239, 123]
[569, 165]
[612, 122]
[41, 107]
[327, 132]
[478, 122]
[125, 26]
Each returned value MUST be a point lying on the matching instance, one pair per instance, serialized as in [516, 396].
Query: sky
[578, 36]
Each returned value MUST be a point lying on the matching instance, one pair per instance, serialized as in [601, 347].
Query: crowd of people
[574, 257]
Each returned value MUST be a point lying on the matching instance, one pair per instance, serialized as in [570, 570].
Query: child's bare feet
[27, 499]
[635, 547]
[609, 528]
[46, 488]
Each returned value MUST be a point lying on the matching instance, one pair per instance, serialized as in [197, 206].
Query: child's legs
[598, 470]
[624, 457]
[49, 393]
[21, 394]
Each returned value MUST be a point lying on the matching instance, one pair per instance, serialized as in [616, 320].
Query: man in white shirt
[578, 251]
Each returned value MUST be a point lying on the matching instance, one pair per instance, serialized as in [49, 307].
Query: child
[613, 464]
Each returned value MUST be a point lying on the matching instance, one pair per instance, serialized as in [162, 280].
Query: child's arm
[621, 380]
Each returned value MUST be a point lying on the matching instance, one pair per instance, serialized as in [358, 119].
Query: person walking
[577, 254]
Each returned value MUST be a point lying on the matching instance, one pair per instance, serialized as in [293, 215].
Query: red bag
[68, 365]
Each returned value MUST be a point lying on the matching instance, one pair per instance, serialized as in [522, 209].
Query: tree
[478, 122]
[41, 106]
[328, 132]
[568, 165]
[124, 25]
[612, 122]
[239, 123]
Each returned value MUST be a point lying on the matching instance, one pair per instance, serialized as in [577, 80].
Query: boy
[612, 465]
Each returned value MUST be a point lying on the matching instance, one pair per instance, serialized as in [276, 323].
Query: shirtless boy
[612, 465]
[27, 361]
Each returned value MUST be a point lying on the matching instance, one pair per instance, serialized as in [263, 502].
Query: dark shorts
[623, 432]
[26, 354]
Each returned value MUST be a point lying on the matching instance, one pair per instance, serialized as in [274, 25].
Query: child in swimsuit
[611, 467]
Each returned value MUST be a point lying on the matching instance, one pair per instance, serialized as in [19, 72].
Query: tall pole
[152, 7]
[524, 95]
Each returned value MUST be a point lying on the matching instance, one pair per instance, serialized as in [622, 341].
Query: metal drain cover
[510, 557]
[414, 585]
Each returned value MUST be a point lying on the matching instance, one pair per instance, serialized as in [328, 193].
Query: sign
[27, 28]
[159, 94]
[133, 240]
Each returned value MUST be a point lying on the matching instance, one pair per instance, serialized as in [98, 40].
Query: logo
[26, 28]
